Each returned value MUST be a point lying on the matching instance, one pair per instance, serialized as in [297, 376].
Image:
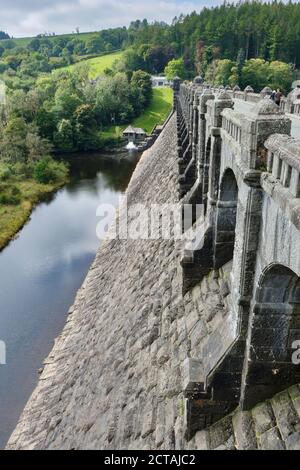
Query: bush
[5, 173]
[22, 170]
[11, 195]
[48, 171]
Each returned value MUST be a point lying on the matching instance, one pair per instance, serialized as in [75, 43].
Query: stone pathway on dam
[245, 107]
[114, 377]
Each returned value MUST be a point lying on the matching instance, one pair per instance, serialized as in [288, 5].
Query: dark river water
[43, 268]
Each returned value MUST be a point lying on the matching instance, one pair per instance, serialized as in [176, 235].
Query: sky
[21, 18]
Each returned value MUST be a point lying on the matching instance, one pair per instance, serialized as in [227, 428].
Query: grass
[23, 42]
[156, 114]
[13, 217]
[97, 65]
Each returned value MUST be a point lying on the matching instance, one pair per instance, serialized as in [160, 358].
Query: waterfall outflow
[131, 146]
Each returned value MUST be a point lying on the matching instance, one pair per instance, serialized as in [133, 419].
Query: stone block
[202, 440]
[263, 418]
[193, 380]
[244, 431]
[271, 440]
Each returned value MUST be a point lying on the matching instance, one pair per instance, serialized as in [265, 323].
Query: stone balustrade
[232, 125]
[244, 169]
[284, 161]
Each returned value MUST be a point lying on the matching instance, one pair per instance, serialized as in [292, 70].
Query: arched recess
[275, 328]
[226, 219]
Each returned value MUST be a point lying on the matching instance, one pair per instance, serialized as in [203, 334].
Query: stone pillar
[247, 90]
[195, 135]
[266, 92]
[204, 98]
[236, 89]
[176, 91]
[223, 101]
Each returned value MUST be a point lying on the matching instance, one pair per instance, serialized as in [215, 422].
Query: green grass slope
[157, 112]
[23, 42]
[97, 65]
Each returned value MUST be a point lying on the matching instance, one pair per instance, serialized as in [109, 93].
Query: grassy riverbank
[13, 217]
[18, 196]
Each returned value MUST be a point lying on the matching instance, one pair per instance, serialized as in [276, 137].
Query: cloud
[32, 17]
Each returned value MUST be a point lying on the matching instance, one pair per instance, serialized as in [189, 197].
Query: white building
[160, 81]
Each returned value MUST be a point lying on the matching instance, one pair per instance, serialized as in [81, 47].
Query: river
[41, 270]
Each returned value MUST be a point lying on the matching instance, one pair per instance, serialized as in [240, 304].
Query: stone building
[134, 134]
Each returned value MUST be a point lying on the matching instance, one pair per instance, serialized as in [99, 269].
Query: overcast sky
[30, 17]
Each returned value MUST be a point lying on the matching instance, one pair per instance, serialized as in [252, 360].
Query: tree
[64, 138]
[280, 75]
[85, 134]
[36, 146]
[240, 62]
[4, 35]
[255, 73]
[175, 68]
[13, 141]
[224, 71]
[130, 62]
[200, 50]
[79, 48]
[34, 44]
[211, 71]
[157, 58]
[142, 81]
[66, 102]
[94, 45]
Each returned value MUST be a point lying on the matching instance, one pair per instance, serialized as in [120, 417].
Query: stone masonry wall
[114, 377]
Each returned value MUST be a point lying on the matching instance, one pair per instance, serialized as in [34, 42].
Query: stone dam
[175, 345]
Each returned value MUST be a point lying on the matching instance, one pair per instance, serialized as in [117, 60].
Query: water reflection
[41, 271]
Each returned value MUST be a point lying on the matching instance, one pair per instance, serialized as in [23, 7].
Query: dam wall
[188, 345]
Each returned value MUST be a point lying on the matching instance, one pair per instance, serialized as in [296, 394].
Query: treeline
[270, 31]
[235, 32]
[245, 43]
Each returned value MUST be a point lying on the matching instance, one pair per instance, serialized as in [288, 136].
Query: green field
[97, 65]
[23, 42]
[156, 114]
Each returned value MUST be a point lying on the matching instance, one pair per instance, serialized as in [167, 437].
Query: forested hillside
[270, 31]
[232, 32]
[248, 42]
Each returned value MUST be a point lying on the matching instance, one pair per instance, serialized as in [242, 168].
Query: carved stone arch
[275, 326]
[226, 218]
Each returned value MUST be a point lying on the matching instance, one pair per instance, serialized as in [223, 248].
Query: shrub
[12, 196]
[22, 170]
[48, 171]
[5, 173]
